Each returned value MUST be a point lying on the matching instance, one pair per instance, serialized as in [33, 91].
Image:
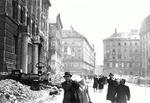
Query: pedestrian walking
[95, 83]
[122, 92]
[71, 90]
[85, 91]
[111, 88]
[100, 83]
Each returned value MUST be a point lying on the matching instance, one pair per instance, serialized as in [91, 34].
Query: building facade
[122, 53]
[78, 54]
[23, 34]
[55, 45]
[99, 70]
[145, 46]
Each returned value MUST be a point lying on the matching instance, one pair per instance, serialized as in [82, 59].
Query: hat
[110, 74]
[67, 74]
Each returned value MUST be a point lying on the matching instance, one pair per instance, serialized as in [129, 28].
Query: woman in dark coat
[111, 88]
[100, 83]
[122, 92]
[71, 90]
[95, 83]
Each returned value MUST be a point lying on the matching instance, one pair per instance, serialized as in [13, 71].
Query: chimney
[115, 31]
[71, 29]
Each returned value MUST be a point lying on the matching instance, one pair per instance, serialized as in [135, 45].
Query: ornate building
[78, 54]
[55, 45]
[145, 46]
[23, 34]
[122, 53]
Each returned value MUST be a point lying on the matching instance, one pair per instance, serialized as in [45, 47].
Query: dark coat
[111, 89]
[95, 84]
[122, 93]
[71, 92]
[100, 83]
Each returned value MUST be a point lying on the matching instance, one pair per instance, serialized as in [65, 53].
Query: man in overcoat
[71, 90]
[111, 88]
[122, 92]
[95, 83]
[100, 83]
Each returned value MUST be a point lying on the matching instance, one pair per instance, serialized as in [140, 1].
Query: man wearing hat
[112, 83]
[122, 92]
[71, 89]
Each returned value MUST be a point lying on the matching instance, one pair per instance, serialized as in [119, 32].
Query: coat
[100, 83]
[111, 89]
[71, 92]
[122, 93]
[85, 94]
[95, 84]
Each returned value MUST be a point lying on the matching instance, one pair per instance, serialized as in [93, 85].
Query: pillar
[35, 58]
[24, 62]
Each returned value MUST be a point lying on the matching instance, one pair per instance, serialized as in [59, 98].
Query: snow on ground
[138, 94]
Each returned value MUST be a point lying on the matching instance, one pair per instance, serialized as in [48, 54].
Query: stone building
[98, 70]
[145, 46]
[78, 54]
[122, 54]
[23, 34]
[55, 45]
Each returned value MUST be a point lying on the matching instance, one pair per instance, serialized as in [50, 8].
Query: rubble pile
[11, 90]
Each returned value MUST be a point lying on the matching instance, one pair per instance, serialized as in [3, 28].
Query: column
[35, 58]
[24, 62]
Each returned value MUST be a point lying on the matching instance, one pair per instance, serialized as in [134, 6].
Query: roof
[71, 33]
[133, 34]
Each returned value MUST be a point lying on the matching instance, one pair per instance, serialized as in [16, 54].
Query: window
[130, 50]
[130, 65]
[136, 50]
[65, 49]
[65, 65]
[125, 64]
[113, 57]
[119, 56]
[130, 44]
[72, 49]
[125, 50]
[108, 65]
[114, 65]
[119, 44]
[125, 72]
[125, 44]
[65, 43]
[114, 50]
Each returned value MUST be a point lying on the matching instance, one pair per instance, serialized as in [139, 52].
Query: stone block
[8, 41]
[7, 48]
[8, 34]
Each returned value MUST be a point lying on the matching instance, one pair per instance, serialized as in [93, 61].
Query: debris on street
[12, 91]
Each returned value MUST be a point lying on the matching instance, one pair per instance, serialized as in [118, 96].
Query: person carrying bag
[85, 92]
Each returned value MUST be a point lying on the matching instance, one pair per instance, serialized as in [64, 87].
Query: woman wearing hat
[71, 90]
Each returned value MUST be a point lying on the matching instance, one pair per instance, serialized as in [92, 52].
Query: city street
[139, 94]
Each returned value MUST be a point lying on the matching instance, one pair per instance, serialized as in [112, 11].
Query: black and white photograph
[74, 51]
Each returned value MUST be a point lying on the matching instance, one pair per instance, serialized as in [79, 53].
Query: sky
[97, 19]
